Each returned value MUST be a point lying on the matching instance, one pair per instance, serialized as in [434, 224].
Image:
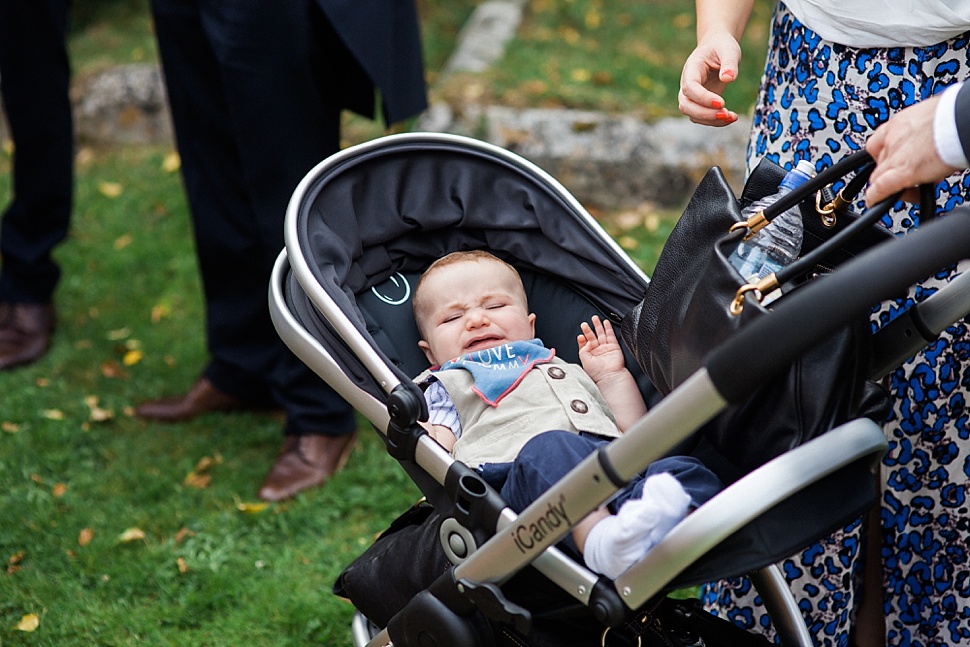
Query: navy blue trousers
[35, 83]
[250, 87]
[548, 457]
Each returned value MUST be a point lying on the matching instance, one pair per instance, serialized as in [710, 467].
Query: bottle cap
[798, 175]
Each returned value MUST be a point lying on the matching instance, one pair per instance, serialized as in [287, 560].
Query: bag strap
[800, 266]
[858, 160]
[805, 263]
[828, 212]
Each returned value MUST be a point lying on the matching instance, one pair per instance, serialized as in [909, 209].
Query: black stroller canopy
[363, 217]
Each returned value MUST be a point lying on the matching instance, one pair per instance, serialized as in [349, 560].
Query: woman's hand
[709, 68]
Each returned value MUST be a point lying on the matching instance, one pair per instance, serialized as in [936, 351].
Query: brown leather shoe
[304, 462]
[203, 397]
[25, 332]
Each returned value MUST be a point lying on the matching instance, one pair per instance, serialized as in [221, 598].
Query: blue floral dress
[820, 101]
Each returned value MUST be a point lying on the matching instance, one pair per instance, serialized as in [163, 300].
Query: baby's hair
[454, 258]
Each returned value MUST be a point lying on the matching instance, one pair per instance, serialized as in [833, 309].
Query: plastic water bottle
[779, 242]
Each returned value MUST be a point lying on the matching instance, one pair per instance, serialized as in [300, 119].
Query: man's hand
[905, 154]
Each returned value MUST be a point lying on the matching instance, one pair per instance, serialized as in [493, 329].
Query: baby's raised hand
[599, 349]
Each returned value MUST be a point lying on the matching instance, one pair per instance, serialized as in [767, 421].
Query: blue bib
[498, 370]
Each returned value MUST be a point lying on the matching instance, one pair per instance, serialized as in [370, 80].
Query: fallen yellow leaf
[120, 333]
[17, 557]
[53, 414]
[113, 369]
[570, 35]
[10, 427]
[59, 490]
[251, 508]
[683, 20]
[42, 382]
[132, 534]
[206, 462]
[198, 481]
[629, 243]
[85, 155]
[183, 565]
[97, 413]
[122, 241]
[110, 189]
[29, 622]
[182, 534]
[159, 312]
[132, 357]
[172, 162]
[85, 536]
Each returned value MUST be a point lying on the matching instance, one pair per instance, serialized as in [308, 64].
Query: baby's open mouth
[483, 342]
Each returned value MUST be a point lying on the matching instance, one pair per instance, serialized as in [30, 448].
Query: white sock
[619, 541]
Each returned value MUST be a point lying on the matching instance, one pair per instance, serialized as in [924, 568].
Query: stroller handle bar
[919, 326]
[802, 319]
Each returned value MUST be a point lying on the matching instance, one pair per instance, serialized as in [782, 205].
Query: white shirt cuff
[945, 134]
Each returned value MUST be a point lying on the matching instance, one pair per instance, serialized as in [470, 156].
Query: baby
[505, 405]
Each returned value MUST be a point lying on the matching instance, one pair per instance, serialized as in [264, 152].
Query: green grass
[617, 55]
[77, 470]
[131, 290]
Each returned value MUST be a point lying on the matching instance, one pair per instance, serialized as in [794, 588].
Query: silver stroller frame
[732, 371]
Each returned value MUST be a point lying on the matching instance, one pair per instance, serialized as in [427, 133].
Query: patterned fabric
[820, 101]
[499, 369]
[441, 408]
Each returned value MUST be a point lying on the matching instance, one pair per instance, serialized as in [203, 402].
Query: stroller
[365, 223]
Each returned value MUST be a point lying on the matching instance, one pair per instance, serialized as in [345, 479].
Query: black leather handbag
[696, 300]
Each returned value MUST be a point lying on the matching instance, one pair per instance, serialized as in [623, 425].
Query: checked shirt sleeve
[441, 408]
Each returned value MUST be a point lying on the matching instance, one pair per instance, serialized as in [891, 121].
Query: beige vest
[554, 395]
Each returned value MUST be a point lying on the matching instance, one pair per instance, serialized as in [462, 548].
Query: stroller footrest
[490, 600]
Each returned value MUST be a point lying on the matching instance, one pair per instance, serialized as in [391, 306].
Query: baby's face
[472, 306]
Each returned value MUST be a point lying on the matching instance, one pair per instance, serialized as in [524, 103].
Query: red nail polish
[722, 115]
[717, 103]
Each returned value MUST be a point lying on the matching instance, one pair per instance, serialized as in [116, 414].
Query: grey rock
[608, 161]
[483, 38]
[126, 104]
